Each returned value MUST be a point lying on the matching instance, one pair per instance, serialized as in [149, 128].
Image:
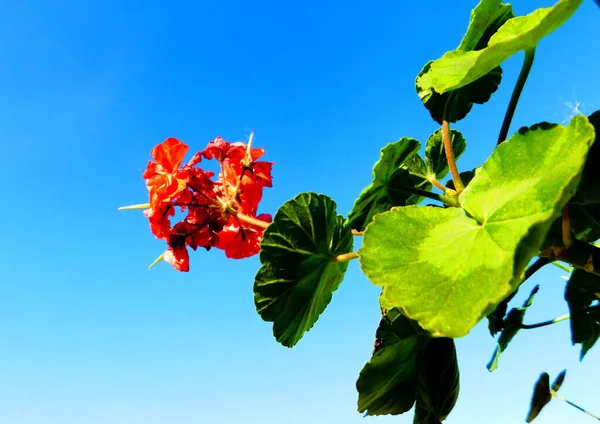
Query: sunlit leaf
[459, 68]
[486, 18]
[448, 268]
[298, 276]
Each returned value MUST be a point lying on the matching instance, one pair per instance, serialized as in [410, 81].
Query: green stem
[252, 221]
[561, 266]
[458, 184]
[535, 267]
[514, 99]
[434, 196]
[345, 257]
[544, 323]
[557, 396]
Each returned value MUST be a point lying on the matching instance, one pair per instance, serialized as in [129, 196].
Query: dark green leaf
[438, 387]
[512, 324]
[582, 290]
[585, 224]
[462, 100]
[506, 212]
[435, 153]
[387, 383]
[399, 166]
[589, 188]
[559, 380]
[298, 277]
[496, 318]
[541, 397]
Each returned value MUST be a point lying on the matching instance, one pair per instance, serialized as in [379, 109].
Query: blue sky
[89, 335]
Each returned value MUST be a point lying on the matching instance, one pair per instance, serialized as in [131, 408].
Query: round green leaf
[298, 274]
[486, 18]
[399, 166]
[448, 268]
[459, 68]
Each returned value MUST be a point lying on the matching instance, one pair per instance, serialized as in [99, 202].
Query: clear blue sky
[88, 335]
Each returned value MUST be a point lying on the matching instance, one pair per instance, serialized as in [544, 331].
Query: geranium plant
[443, 266]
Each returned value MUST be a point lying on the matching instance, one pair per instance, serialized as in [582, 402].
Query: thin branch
[557, 396]
[512, 105]
[434, 196]
[580, 254]
[345, 257]
[437, 184]
[458, 184]
[567, 233]
[544, 323]
[252, 221]
[535, 267]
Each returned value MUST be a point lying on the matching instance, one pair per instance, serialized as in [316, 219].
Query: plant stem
[458, 184]
[580, 254]
[544, 323]
[535, 267]
[557, 396]
[345, 257]
[434, 196]
[567, 234]
[561, 266]
[514, 99]
[252, 221]
[358, 233]
[439, 185]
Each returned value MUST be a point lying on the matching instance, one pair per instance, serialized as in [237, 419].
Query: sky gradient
[88, 335]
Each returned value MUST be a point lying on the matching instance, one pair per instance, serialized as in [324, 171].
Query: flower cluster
[218, 213]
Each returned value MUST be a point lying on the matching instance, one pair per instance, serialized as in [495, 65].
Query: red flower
[216, 212]
[241, 241]
[179, 258]
[164, 179]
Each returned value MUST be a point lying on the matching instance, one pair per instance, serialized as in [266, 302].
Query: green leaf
[387, 384]
[448, 268]
[540, 398]
[298, 276]
[589, 188]
[512, 325]
[438, 382]
[435, 153]
[486, 18]
[399, 166]
[459, 68]
[462, 100]
[559, 380]
[582, 290]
